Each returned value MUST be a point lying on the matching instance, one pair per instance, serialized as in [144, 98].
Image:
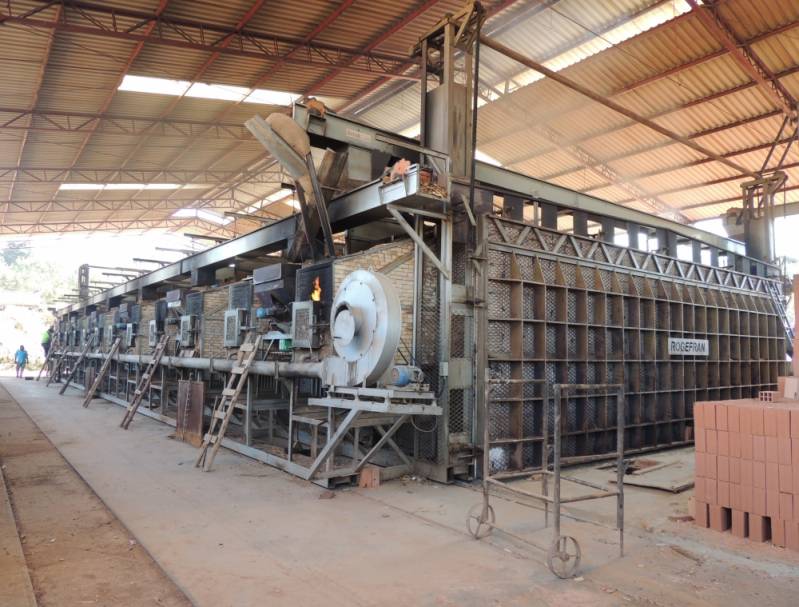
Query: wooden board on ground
[673, 471]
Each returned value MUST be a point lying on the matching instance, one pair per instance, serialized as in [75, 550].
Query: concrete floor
[247, 534]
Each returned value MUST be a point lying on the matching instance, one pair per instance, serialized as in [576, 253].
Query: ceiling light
[148, 84]
[268, 97]
[81, 186]
[202, 214]
[205, 90]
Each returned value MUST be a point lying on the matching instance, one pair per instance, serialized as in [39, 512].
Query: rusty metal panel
[189, 426]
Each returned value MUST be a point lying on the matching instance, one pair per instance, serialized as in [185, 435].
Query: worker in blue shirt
[21, 358]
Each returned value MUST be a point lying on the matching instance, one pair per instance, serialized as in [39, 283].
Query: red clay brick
[719, 517]
[759, 475]
[786, 506]
[792, 535]
[701, 514]
[778, 532]
[723, 468]
[711, 491]
[759, 501]
[795, 423]
[772, 450]
[721, 417]
[772, 503]
[700, 444]
[711, 466]
[746, 498]
[786, 479]
[772, 476]
[735, 497]
[734, 418]
[735, 470]
[784, 451]
[783, 422]
[735, 444]
[745, 413]
[759, 448]
[709, 416]
[769, 421]
[795, 452]
[746, 473]
[740, 523]
[758, 528]
[699, 490]
[723, 442]
[712, 441]
[699, 420]
[756, 414]
[699, 466]
[746, 446]
[723, 490]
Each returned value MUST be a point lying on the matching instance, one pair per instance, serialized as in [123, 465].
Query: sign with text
[688, 347]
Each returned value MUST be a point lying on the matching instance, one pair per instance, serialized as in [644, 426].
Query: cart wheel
[563, 557]
[477, 525]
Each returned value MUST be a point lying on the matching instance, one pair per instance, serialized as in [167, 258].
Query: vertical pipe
[556, 461]
[545, 448]
[620, 420]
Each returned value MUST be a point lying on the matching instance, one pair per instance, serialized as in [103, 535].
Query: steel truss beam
[89, 206]
[55, 227]
[12, 118]
[561, 111]
[710, 15]
[143, 177]
[141, 26]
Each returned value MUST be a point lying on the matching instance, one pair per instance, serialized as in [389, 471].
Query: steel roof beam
[39, 81]
[672, 71]
[13, 118]
[710, 15]
[59, 175]
[582, 90]
[138, 26]
[17, 207]
[56, 227]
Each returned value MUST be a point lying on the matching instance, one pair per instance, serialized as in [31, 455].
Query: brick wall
[147, 314]
[212, 325]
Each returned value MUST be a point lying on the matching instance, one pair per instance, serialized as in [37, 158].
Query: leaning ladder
[223, 412]
[50, 354]
[77, 364]
[62, 355]
[103, 370]
[144, 381]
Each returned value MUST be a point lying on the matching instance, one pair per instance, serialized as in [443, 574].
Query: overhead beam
[57, 227]
[158, 29]
[137, 176]
[710, 15]
[567, 82]
[48, 121]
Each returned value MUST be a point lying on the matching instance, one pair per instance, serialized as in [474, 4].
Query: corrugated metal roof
[673, 72]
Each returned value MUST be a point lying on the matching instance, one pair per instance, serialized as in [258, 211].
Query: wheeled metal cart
[564, 554]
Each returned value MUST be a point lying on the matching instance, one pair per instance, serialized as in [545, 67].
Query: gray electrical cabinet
[235, 323]
[187, 328]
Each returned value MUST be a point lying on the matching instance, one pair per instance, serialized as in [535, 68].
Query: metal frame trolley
[564, 554]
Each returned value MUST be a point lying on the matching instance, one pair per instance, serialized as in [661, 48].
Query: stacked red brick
[747, 469]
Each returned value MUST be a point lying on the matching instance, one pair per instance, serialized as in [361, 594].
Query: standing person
[46, 339]
[21, 358]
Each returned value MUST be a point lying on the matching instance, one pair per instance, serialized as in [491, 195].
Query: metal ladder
[76, 366]
[777, 297]
[223, 412]
[103, 370]
[144, 381]
[50, 354]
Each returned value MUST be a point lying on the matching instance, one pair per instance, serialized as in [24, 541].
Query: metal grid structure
[570, 309]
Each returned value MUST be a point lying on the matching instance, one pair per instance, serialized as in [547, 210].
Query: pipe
[262, 367]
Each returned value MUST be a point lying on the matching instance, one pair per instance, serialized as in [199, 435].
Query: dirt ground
[77, 552]
[247, 534]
